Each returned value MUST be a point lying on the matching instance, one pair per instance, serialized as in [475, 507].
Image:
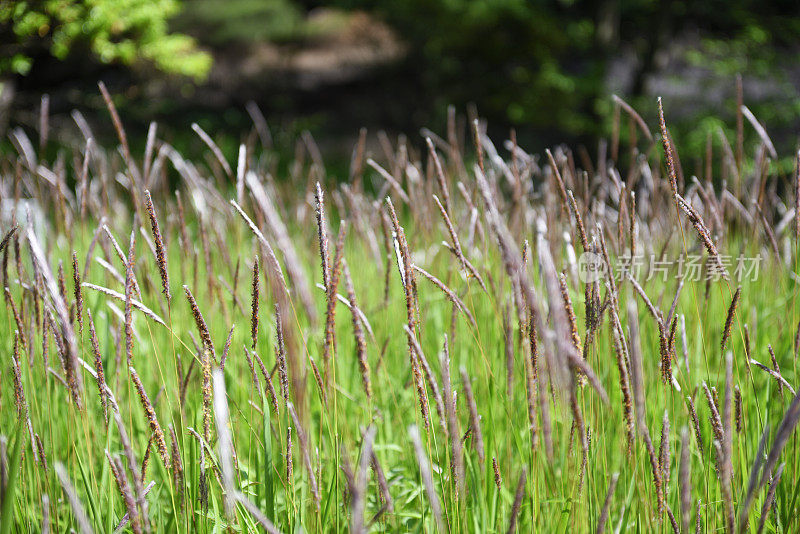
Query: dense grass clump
[447, 340]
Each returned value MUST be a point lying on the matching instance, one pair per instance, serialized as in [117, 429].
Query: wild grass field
[459, 336]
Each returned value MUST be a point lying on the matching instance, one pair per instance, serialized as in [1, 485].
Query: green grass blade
[7, 518]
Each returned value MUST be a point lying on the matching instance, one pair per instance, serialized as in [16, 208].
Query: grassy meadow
[205, 345]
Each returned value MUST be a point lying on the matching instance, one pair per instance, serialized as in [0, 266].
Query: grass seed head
[150, 414]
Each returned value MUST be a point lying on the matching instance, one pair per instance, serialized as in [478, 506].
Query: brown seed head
[76, 280]
[498, 480]
[205, 335]
[726, 332]
[150, 413]
[98, 367]
[254, 306]
[161, 256]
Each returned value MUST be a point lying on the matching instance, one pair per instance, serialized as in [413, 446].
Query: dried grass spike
[98, 367]
[161, 255]
[726, 332]
[254, 306]
[475, 419]
[358, 334]
[177, 467]
[322, 236]
[150, 413]
[76, 280]
[205, 335]
[519, 494]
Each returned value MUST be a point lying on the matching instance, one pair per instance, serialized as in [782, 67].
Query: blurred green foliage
[511, 56]
[543, 66]
[545, 63]
[242, 21]
[114, 31]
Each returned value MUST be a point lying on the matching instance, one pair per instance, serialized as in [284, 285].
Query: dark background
[546, 68]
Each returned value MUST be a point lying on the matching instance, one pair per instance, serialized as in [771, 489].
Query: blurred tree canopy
[241, 21]
[114, 31]
[545, 66]
[546, 62]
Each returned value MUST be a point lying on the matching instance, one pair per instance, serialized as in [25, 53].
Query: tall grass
[254, 405]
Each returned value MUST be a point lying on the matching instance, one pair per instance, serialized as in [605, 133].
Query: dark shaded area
[546, 68]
